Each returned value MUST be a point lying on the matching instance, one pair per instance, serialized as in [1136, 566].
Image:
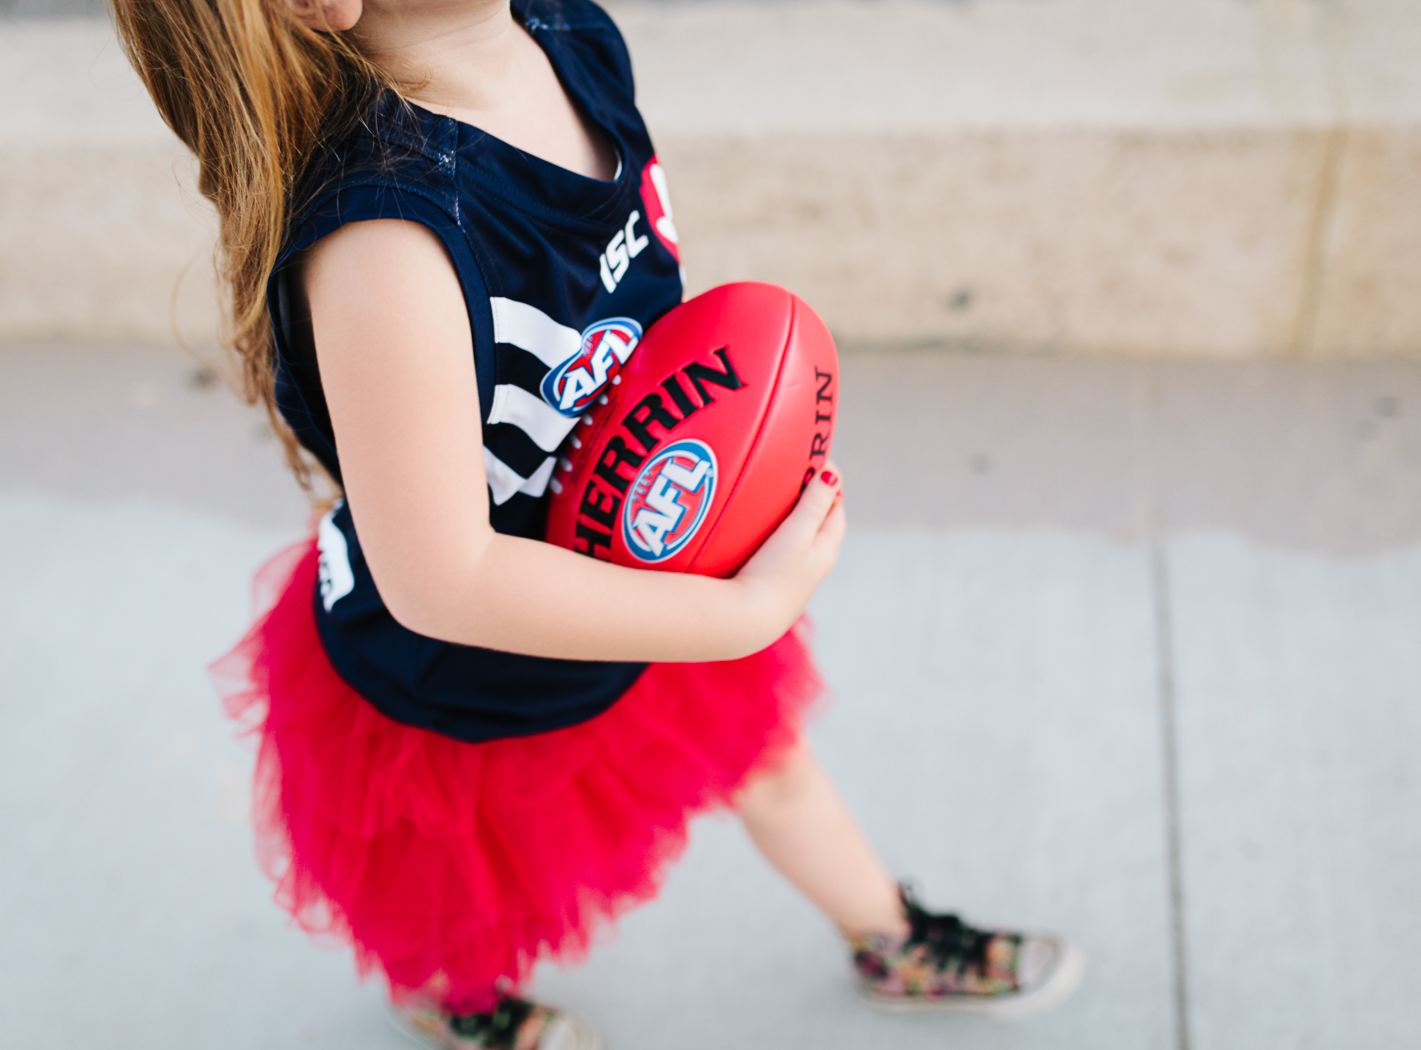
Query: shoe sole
[1011, 1007]
[587, 1037]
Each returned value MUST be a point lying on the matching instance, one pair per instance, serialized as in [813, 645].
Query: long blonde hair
[252, 92]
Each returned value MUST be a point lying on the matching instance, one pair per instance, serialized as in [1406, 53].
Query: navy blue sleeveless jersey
[560, 274]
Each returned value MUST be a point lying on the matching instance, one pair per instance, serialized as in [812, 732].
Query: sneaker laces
[497, 1030]
[948, 939]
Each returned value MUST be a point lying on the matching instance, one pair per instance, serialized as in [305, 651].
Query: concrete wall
[1234, 179]
[102, 232]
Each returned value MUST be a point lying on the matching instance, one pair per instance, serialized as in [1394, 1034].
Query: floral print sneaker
[944, 964]
[514, 1024]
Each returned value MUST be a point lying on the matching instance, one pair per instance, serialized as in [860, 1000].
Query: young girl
[477, 748]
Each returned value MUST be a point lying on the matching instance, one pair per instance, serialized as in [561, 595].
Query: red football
[720, 417]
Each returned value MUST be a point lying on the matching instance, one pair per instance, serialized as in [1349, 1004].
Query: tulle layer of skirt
[452, 868]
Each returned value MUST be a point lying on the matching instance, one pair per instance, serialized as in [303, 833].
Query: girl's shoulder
[388, 157]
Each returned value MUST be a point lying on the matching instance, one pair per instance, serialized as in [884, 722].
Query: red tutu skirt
[452, 868]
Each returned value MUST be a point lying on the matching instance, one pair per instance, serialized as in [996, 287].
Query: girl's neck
[452, 54]
[472, 60]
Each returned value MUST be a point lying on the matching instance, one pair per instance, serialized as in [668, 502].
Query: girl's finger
[818, 500]
[831, 531]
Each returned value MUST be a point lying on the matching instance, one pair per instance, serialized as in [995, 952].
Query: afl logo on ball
[606, 345]
[668, 500]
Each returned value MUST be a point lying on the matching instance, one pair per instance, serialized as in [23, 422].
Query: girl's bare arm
[394, 347]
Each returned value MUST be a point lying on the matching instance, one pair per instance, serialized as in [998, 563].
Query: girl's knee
[781, 782]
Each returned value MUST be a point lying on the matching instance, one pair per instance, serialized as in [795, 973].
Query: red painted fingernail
[829, 477]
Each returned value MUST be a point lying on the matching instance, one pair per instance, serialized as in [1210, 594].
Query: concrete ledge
[105, 241]
[1066, 241]
[103, 234]
[1368, 256]
[1219, 178]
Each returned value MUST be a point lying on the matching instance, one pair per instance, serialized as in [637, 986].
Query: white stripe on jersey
[505, 482]
[531, 414]
[528, 327]
[334, 573]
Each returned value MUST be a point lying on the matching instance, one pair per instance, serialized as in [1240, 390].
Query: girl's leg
[934, 962]
[804, 829]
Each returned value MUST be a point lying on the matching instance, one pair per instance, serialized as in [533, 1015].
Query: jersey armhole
[362, 204]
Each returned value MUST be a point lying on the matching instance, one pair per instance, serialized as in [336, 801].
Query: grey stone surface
[1298, 678]
[1318, 456]
[105, 422]
[993, 698]
[1321, 456]
[993, 637]
[132, 908]
[51, 9]
[132, 878]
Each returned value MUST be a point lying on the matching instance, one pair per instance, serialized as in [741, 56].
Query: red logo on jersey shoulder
[656, 198]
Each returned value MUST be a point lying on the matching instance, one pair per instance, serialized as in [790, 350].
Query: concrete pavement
[1126, 650]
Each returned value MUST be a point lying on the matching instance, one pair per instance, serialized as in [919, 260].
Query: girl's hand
[782, 575]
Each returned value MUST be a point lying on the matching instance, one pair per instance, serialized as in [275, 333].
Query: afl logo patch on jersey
[668, 500]
[606, 345]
